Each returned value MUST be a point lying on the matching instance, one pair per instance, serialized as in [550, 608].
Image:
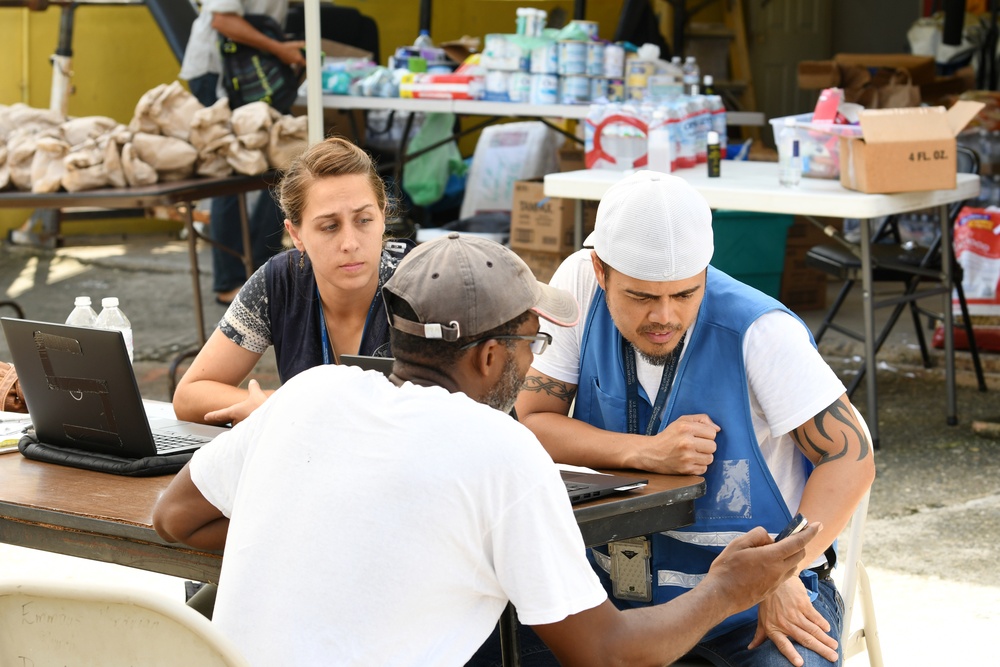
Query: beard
[504, 393]
[654, 359]
[662, 358]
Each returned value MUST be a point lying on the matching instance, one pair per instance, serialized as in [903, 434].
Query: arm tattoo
[554, 388]
[830, 433]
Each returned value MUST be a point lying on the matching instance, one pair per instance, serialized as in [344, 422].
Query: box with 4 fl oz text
[905, 150]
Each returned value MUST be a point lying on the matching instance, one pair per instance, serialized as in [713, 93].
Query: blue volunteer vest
[294, 311]
[711, 379]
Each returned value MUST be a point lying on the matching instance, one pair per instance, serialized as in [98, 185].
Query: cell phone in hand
[797, 523]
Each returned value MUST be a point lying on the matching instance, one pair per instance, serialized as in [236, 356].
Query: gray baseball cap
[461, 285]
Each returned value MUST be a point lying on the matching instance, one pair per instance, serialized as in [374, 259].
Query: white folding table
[753, 186]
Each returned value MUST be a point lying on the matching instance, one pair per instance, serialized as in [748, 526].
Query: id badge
[630, 577]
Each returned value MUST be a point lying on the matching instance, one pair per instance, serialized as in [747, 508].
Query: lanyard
[632, 387]
[325, 337]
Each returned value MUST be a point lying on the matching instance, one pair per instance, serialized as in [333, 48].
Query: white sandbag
[289, 138]
[47, 166]
[244, 160]
[86, 168]
[21, 152]
[506, 154]
[213, 165]
[252, 124]
[209, 124]
[78, 130]
[165, 154]
[4, 169]
[136, 171]
[142, 118]
[28, 119]
[174, 110]
[113, 164]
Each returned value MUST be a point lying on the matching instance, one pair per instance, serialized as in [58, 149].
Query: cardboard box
[818, 74]
[905, 150]
[545, 224]
[542, 264]
[570, 157]
[921, 68]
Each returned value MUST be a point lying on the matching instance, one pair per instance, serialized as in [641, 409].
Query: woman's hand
[238, 412]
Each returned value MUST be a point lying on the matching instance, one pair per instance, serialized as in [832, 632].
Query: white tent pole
[314, 73]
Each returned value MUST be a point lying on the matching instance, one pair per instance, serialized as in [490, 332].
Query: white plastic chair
[855, 586]
[88, 625]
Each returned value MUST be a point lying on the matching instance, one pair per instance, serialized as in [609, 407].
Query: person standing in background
[201, 68]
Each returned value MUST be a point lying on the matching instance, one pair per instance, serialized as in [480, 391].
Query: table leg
[868, 306]
[577, 224]
[510, 651]
[247, 255]
[192, 237]
[949, 324]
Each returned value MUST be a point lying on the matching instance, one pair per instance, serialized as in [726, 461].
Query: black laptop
[381, 364]
[81, 393]
[586, 486]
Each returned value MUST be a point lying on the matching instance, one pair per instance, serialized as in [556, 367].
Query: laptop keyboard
[167, 443]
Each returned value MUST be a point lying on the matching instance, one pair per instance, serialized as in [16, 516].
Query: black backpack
[252, 75]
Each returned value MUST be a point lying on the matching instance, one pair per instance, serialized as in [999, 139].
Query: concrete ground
[934, 520]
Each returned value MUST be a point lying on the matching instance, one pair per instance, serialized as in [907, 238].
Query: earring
[302, 260]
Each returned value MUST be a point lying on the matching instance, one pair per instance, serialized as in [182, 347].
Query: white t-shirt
[789, 381]
[381, 525]
[202, 53]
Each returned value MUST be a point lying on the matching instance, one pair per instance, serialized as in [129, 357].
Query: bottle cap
[709, 80]
[82, 301]
[109, 302]
[712, 137]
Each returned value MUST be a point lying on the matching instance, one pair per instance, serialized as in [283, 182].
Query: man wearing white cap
[388, 521]
[678, 368]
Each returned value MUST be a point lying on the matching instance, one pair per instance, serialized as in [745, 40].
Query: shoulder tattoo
[554, 388]
[830, 433]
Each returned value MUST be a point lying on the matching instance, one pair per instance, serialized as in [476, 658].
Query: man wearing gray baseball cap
[675, 367]
[371, 521]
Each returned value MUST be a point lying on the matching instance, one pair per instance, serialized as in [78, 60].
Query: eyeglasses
[539, 341]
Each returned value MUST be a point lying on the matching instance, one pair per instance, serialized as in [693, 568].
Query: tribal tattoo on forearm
[830, 432]
[554, 388]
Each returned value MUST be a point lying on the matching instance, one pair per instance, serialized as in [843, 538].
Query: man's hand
[753, 566]
[685, 447]
[236, 413]
[290, 52]
[787, 614]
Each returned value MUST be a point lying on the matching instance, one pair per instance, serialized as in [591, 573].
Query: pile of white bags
[170, 137]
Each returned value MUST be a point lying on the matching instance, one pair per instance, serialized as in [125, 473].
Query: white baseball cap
[653, 226]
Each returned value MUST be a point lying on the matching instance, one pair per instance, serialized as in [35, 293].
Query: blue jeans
[728, 650]
[266, 219]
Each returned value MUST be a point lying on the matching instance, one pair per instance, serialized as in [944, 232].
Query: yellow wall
[119, 52]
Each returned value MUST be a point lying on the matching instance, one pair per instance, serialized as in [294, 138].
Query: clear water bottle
[660, 142]
[82, 315]
[423, 40]
[692, 75]
[112, 317]
[789, 160]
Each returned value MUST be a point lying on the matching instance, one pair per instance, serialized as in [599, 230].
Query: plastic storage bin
[751, 247]
[819, 144]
